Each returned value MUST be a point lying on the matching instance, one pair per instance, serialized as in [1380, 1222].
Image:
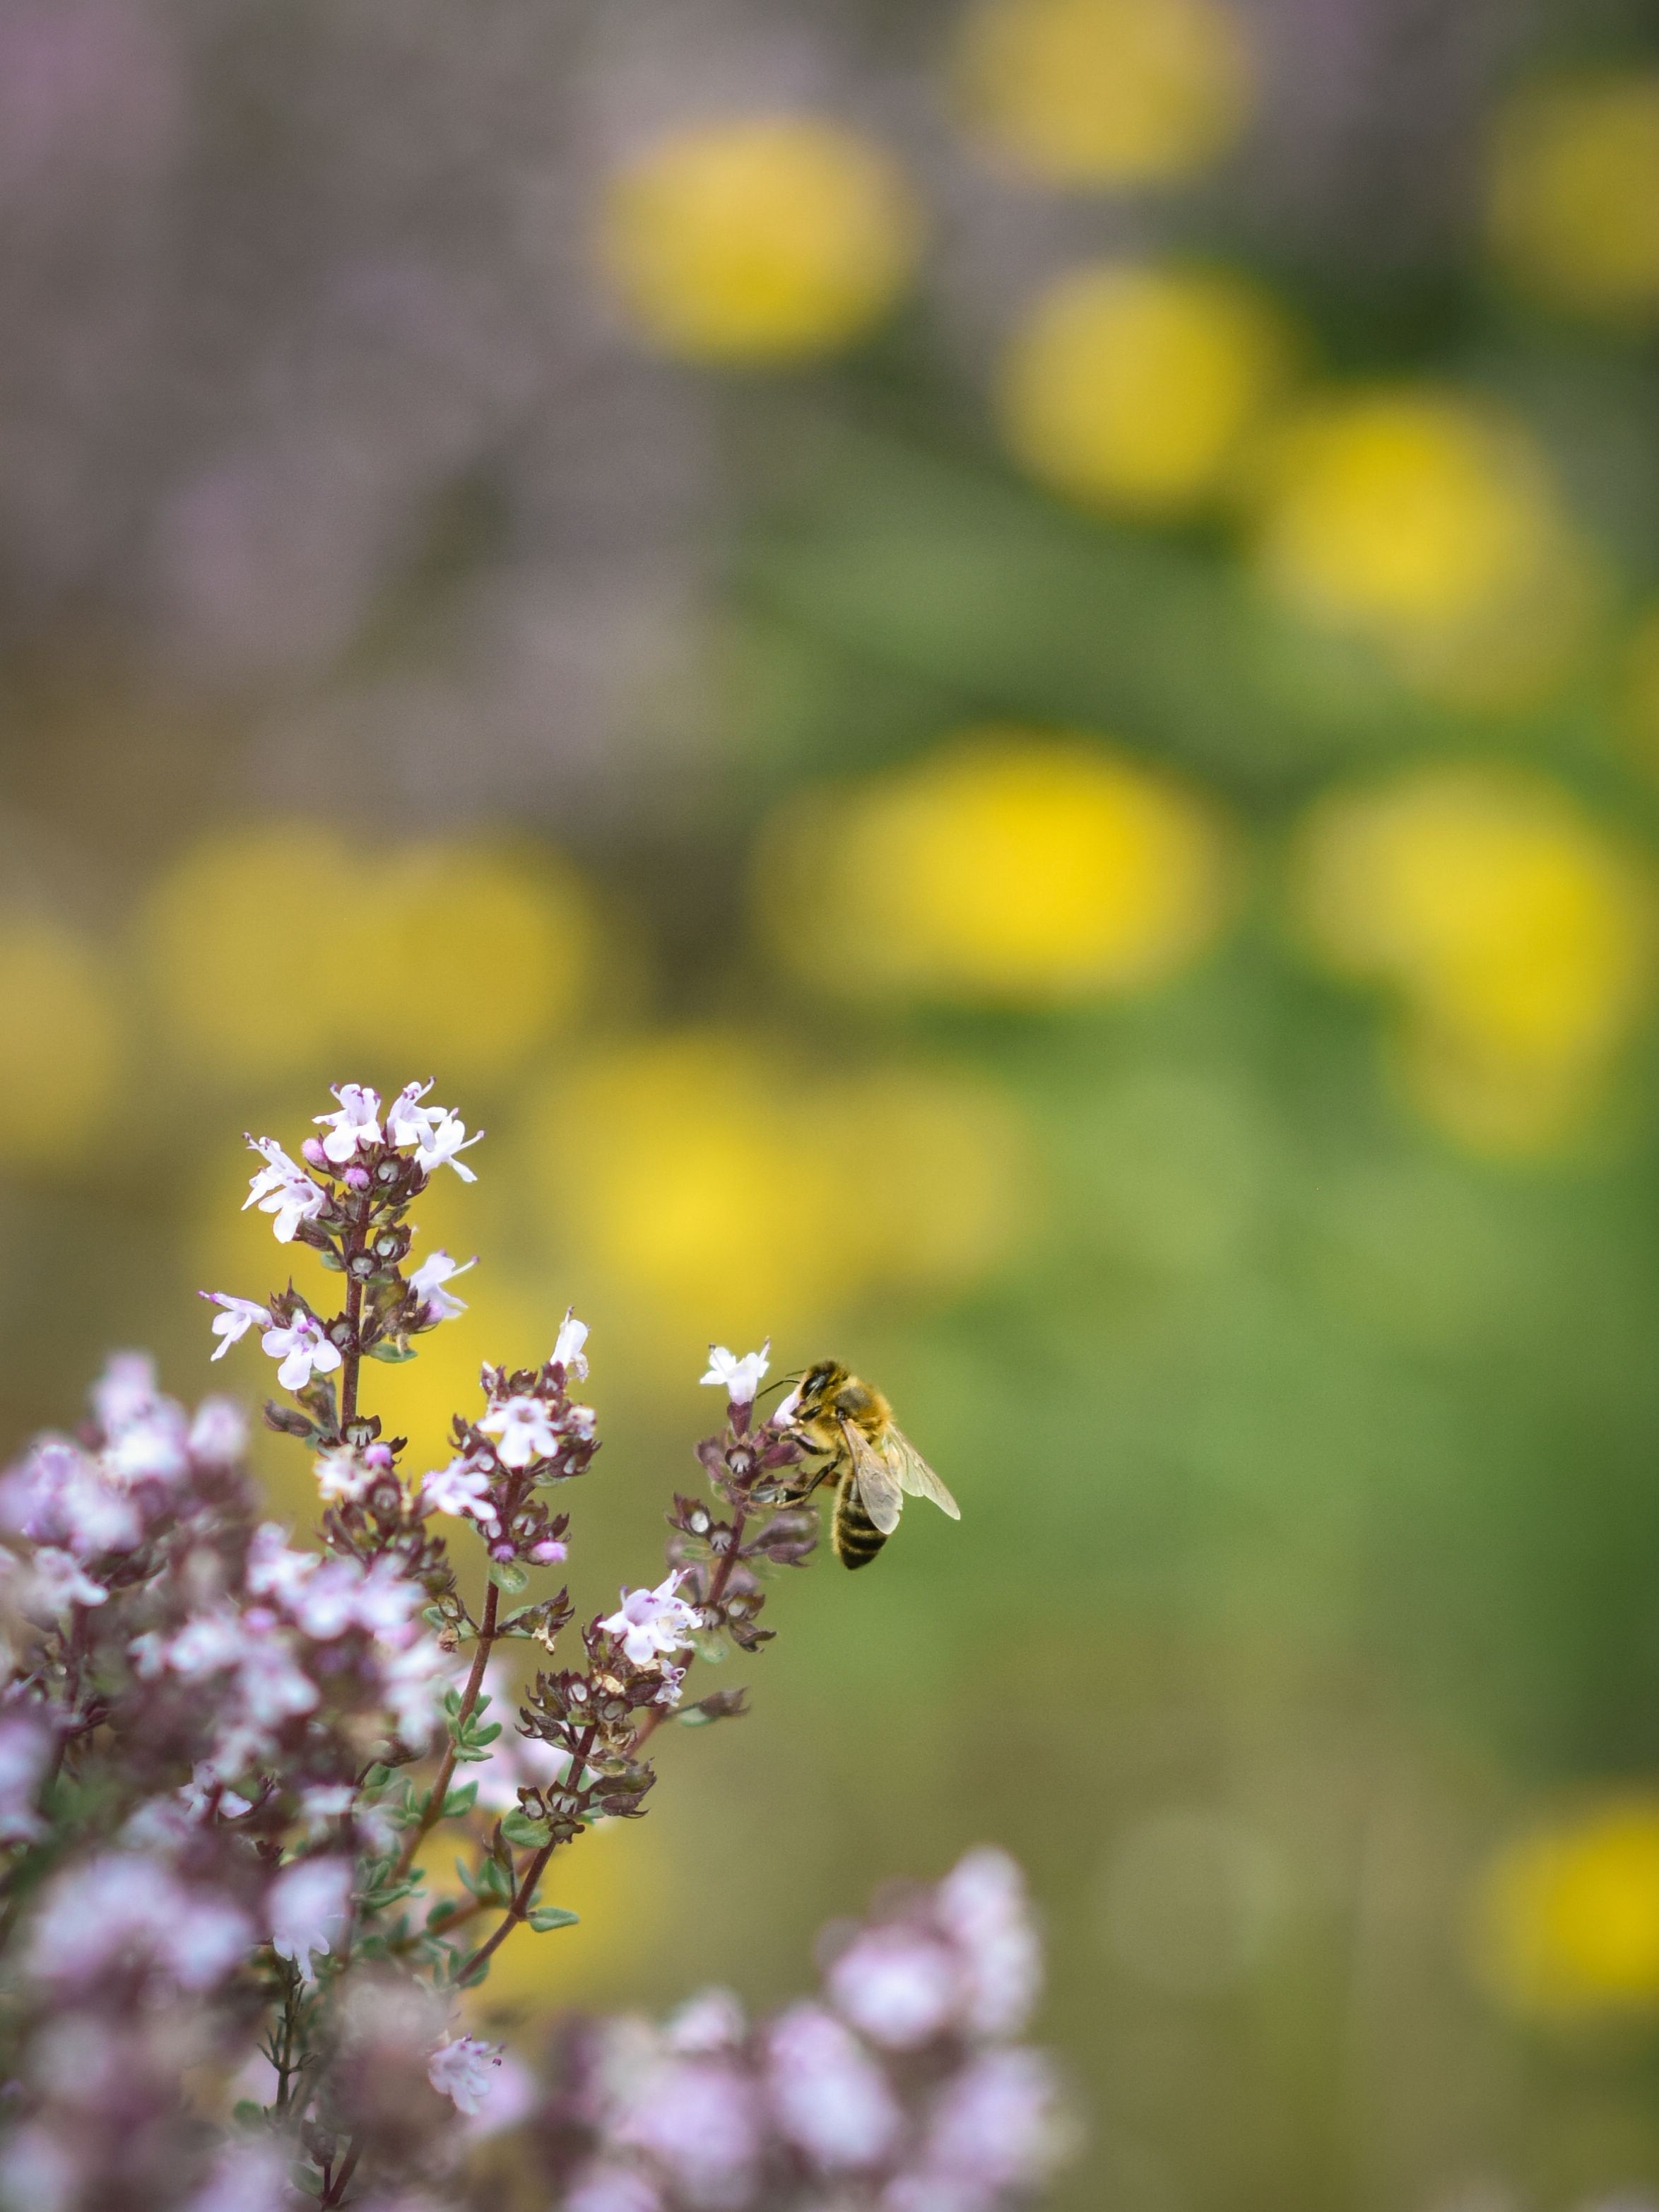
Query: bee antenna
[766, 1388]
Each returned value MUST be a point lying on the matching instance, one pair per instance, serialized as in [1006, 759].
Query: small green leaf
[461, 1799]
[377, 1777]
[393, 1354]
[544, 1916]
[519, 1828]
[507, 1575]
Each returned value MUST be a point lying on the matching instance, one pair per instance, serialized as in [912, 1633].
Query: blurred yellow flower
[773, 238]
[496, 956]
[233, 935]
[1516, 932]
[722, 1193]
[1011, 867]
[1574, 192]
[1105, 92]
[62, 1036]
[1566, 1915]
[1431, 525]
[469, 955]
[1130, 387]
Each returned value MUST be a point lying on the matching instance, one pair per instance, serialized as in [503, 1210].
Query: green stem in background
[435, 1804]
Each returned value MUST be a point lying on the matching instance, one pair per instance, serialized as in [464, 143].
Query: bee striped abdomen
[853, 1534]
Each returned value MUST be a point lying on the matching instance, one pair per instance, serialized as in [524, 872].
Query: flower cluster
[223, 1756]
[901, 2087]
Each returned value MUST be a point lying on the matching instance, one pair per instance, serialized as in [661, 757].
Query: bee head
[820, 1382]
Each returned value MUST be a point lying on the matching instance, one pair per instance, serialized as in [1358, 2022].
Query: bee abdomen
[853, 1534]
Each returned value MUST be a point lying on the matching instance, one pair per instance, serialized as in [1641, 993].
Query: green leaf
[519, 1828]
[543, 1916]
[507, 1575]
[377, 1777]
[461, 1799]
[393, 1354]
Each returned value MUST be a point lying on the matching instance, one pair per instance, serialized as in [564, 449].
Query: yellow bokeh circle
[271, 950]
[1105, 92]
[1012, 866]
[1401, 509]
[1428, 524]
[1574, 193]
[62, 1033]
[1517, 934]
[713, 1187]
[774, 238]
[1565, 1922]
[1129, 386]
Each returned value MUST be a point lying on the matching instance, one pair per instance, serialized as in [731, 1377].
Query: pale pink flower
[609, 2186]
[463, 2069]
[125, 1391]
[61, 1495]
[522, 1430]
[310, 1901]
[653, 1622]
[341, 1474]
[355, 1127]
[982, 1905]
[247, 2176]
[428, 1284]
[461, 1488]
[282, 1190]
[700, 2119]
[443, 1138]
[406, 1118]
[240, 1315]
[567, 1345]
[58, 1580]
[121, 1907]
[711, 2021]
[829, 2097]
[899, 1986]
[739, 1378]
[302, 1346]
[25, 1747]
[218, 1435]
[1000, 2124]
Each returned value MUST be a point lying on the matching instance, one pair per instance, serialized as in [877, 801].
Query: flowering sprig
[902, 2085]
[223, 1758]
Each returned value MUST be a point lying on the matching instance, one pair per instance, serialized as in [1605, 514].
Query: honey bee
[868, 1456]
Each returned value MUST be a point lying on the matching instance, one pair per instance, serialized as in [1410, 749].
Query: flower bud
[357, 1178]
[311, 1151]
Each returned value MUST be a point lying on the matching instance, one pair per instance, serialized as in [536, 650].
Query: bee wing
[878, 1483]
[917, 1476]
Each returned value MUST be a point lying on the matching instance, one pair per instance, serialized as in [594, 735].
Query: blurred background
[985, 674]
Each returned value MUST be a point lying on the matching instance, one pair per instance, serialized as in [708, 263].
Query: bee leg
[800, 1496]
